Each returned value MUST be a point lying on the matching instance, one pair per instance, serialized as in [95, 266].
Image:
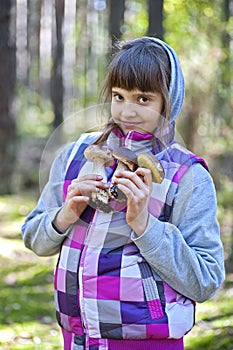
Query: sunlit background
[53, 58]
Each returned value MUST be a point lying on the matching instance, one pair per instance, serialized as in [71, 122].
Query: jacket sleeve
[187, 252]
[39, 235]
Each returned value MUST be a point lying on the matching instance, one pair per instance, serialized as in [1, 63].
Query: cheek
[153, 121]
[115, 110]
[158, 107]
[157, 118]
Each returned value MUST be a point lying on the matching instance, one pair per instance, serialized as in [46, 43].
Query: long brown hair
[139, 64]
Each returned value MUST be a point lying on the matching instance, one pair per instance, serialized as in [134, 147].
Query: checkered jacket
[104, 288]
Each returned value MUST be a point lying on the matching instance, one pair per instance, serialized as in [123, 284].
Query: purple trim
[160, 344]
[162, 138]
[68, 339]
[196, 159]
[176, 344]
[180, 173]
[137, 136]
[65, 188]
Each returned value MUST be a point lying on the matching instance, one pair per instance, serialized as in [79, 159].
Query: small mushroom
[101, 158]
[127, 160]
[149, 161]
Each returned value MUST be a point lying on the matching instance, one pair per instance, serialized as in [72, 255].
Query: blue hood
[177, 87]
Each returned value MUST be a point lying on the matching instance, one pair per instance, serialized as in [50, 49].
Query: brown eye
[117, 97]
[143, 99]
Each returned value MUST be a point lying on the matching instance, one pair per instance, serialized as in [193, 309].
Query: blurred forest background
[53, 58]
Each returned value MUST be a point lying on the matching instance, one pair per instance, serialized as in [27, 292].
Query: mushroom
[149, 161]
[127, 160]
[101, 158]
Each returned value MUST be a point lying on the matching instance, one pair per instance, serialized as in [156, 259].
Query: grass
[214, 322]
[27, 317]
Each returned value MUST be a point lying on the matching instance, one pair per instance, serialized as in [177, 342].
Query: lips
[129, 124]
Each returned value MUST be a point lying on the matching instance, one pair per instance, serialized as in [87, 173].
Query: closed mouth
[127, 123]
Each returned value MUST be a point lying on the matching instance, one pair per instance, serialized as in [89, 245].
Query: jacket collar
[142, 143]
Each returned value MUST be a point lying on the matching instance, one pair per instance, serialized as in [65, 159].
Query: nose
[128, 109]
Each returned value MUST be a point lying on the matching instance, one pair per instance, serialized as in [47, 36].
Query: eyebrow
[147, 94]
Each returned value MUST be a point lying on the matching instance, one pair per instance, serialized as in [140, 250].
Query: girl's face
[136, 110]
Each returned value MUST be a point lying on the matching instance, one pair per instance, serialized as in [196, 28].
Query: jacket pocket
[153, 292]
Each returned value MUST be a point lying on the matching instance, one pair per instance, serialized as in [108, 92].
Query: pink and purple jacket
[104, 287]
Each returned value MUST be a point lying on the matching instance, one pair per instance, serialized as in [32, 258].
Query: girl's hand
[78, 195]
[137, 187]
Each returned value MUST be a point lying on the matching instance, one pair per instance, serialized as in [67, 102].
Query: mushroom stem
[126, 161]
[101, 158]
[98, 168]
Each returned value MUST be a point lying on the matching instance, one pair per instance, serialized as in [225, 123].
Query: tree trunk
[223, 107]
[189, 124]
[155, 10]
[57, 76]
[81, 50]
[116, 19]
[33, 43]
[7, 85]
[224, 97]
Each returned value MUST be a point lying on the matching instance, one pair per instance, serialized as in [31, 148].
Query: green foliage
[12, 208]
[225, 196]
[25, 292]
[196, 30]
[188, 23]
[27, 318]
[214, 322]
[34, 113]
[136, 19]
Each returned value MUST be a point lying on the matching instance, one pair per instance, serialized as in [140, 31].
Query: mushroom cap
[94, 152]
[149, 161]
[127, 157]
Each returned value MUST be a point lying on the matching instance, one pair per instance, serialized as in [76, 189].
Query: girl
[129, 278]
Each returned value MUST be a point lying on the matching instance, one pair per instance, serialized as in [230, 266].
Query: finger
[127, 191]
[73, 207]
[129, 178]
[80, 199]
[84, 187]
[134, 191]
[134, 187]
[75, 202]
[94, 177]
[145, 175]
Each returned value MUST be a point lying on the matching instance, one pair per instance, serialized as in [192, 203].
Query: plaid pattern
[104, 289]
